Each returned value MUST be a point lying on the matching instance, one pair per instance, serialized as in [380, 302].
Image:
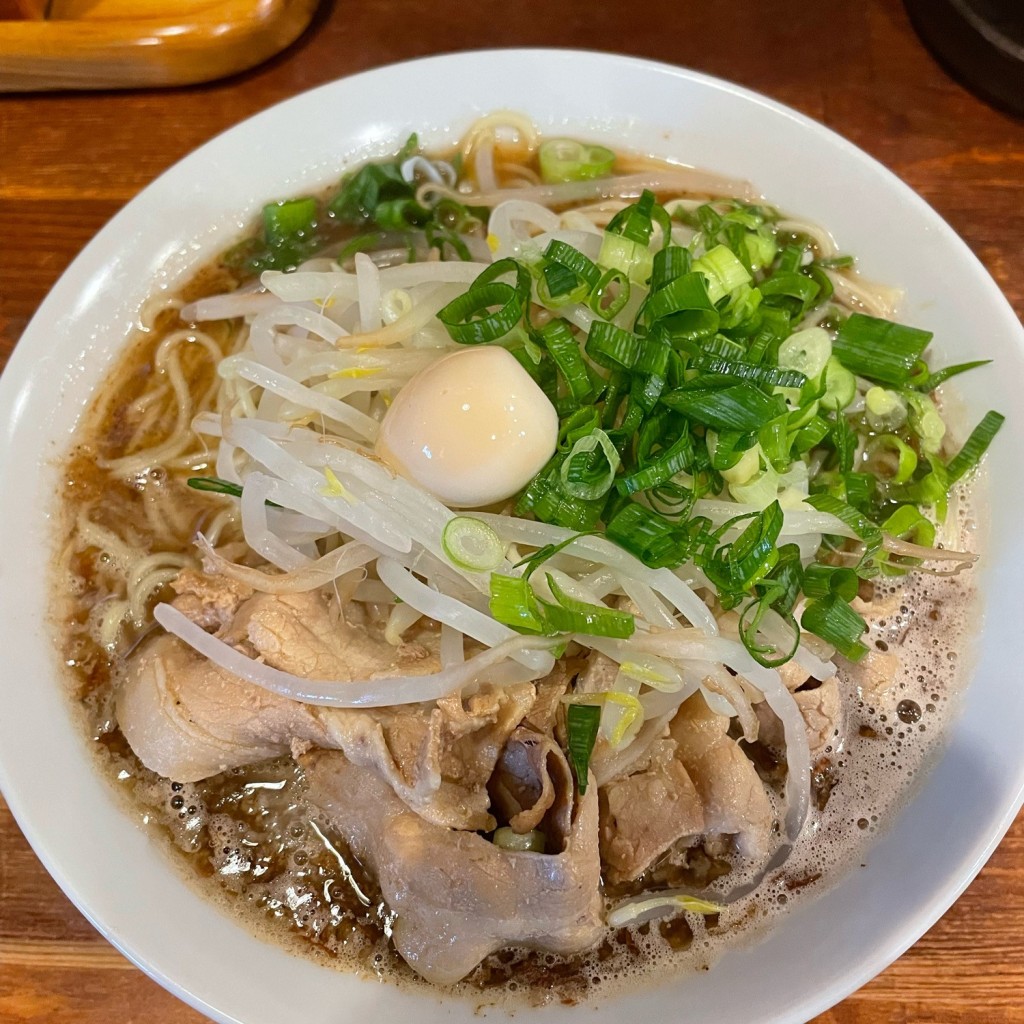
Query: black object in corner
[981, 42]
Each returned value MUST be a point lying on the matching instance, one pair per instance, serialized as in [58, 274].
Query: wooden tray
[123, 44]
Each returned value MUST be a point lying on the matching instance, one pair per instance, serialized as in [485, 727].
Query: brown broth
[248, 840]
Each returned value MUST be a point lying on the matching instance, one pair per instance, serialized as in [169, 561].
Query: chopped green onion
[363, 192]
[669, 263]
[559, 286]
[845, 442]
[655, 353]
[697, 325]
[926, 422]
[585, 474]
[400, 214]
[793, 290]
[975, 447]
[884, 410]
[633, 258]
[837, 262]
[741, 309]
[837, 624]
[823, 281]
[533, 562]
[378, 196]
[781, 587]
[504, 268]
[214, 484]
[484, 314]
[906, 523]
[289, 220]
[656, 540]
[289, 236]
[727, 448]
[617, 387]
[569, 160]
[582, 722]
[803, 413]
[471, 544]
[558, 339]
[547, 500]
[717, 345]
[571, 615]
[513, 602]
[906, 457]
[928, 382]
[577, 424]
[821, 580]
[860, 489]
[931, 489]
[772, 376]
[772, 328]
[571, 258]
[879, 349]
[612, 347]
[759, 248]
[753, 554]
[791, 258]
[807, 351]
[745, 468]
[866, 530]
[687, 292]
[768, 655]
[533, 841]
[635, 221]
[723, 271]
[741, 406]
[610, 294]
[677, 458]
[566, 275]
[810, 436]
[530, 357]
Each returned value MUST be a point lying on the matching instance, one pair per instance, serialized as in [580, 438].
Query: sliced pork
[209, 599]
[644, 814]
[532, 787]
[458, 897]
[731, 792]
[187, 719]
[309, 637]
[550, 691]
[823, 714]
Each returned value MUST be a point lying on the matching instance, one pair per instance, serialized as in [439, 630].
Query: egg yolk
[472, 428]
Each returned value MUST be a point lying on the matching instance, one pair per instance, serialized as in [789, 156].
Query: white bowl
[112, 870]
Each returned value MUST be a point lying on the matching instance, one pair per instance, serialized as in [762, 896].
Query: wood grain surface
[69, 161]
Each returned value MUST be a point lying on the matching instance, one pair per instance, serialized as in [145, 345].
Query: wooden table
[68, 162]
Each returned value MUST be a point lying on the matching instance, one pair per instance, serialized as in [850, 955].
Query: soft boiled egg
[472, 428]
